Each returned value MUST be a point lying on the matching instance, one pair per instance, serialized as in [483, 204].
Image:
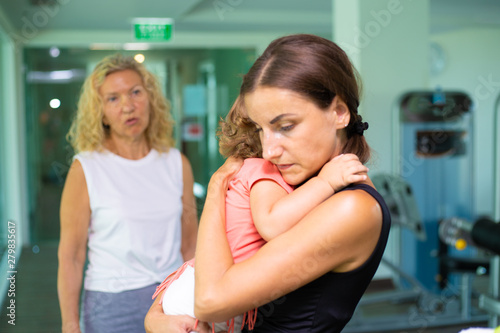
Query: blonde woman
[127, 205]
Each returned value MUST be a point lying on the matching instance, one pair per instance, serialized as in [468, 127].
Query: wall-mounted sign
[192, 131]
[153, 29]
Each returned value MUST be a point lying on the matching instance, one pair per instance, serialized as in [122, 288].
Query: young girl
[257, 193]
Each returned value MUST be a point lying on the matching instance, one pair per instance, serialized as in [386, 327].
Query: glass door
[200, 85]
[52, 87]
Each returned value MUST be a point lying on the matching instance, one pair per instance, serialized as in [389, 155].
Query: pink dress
[244, 239]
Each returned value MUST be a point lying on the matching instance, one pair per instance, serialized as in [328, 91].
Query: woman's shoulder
[361, 194]
[167, 151]
[358, 205]
[170, 154]
[358, 216]
[354, 190]
[86, 155]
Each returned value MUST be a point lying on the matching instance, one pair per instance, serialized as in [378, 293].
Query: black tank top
[327, 303]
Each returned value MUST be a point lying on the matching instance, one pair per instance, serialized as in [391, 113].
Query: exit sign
[153, 29]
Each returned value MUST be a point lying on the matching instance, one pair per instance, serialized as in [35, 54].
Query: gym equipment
[431, 184]
[483, 233]
[422, 307]
[434, 137]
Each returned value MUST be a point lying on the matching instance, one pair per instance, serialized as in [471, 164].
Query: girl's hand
[343, 170]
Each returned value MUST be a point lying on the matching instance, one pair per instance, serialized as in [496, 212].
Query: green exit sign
[153, 29]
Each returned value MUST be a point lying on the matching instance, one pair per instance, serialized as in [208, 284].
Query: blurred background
[431, 91]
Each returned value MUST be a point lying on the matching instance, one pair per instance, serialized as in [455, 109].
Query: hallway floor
[37, 306]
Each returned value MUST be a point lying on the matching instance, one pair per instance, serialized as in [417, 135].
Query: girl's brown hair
[237, 134]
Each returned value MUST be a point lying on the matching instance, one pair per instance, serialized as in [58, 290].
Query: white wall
[472, 65]
[387, 42]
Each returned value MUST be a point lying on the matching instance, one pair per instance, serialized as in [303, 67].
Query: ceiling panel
[281, 16]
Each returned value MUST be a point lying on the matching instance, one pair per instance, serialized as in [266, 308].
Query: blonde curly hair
[87, 132]
[237, 134]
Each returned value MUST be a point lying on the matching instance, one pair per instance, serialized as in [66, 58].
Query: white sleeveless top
[134, 237]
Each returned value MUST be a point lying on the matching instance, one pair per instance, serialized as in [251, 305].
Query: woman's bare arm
[75, 219]
[189, 213]
[317, 244]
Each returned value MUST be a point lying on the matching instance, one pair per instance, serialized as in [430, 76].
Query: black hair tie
[360, 127]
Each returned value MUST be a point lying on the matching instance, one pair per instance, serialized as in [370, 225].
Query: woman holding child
[301, 97]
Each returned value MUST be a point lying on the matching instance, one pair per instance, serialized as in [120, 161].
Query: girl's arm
[75, 219]
[189, 213]
[274, 211]
[317, 244]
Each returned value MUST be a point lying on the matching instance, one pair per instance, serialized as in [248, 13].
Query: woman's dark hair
[319, 70]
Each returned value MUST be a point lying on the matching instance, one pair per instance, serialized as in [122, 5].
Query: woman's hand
[162, 323]
[343, 170]
[224, 174]
[158, 322]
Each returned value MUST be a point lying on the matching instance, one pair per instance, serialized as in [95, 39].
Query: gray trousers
[121, 312]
